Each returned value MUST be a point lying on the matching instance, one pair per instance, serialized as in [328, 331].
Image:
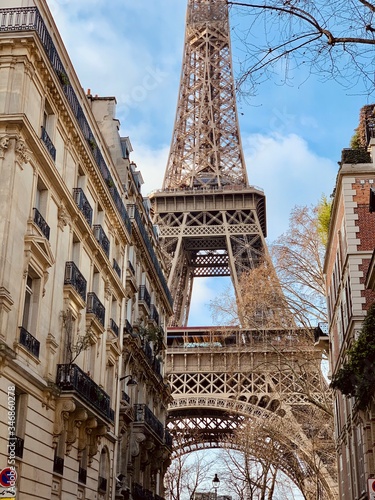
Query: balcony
[144, 415]
[102, 484]
[95, 307]
[83, 204]
[29, 342]
[41, 223]
[131, 267]
[48, 143]
[117, 268]
[101, 238]
[74, 278]
[16, 445]
[70, 378]
[114, 327]
[58, 465]
[82, 475]
[154, 315]
[135, 215]
[128, 328]
[144, 296]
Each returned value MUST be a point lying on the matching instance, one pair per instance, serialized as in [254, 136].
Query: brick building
[350, 250]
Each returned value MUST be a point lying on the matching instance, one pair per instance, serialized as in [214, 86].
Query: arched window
[103, 480]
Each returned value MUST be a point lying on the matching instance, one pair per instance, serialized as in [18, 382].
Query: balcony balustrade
[70, 378]
[144, 415]
[74, 277]
[125, 397]
[134, 214]
[83, 204]
[128, 327]
[48, 143]
[144, 295]
[114, 327]
[154, 315]
[58, 465]
[140, 493]
[102, 484]
[41, 223]
[168, 438]
[29, 342]
[16, 445]
[117, 268]
[131, 267]
[101, 238]
[82, 475]
[94, 306]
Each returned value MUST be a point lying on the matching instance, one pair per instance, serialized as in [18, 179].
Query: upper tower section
[206, 148]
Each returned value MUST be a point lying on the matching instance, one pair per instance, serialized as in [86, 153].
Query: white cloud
[289, 172]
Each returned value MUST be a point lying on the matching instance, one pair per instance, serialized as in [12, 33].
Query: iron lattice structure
[213, 223]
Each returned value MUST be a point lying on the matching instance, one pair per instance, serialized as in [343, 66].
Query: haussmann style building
[83, 299]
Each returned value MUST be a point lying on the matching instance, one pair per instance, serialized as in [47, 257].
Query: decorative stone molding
[63, 218]
[136, 439]
[75, 422]
[4, 144]
[63, 410]
[94, 440]
[22, 153]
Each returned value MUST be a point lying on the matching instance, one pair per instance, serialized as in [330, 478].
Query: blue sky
[292, 135]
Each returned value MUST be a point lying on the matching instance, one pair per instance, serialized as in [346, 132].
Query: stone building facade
[83, 299]
[350, 249]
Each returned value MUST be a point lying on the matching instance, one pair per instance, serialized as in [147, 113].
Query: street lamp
[216, 484]
[132, 380]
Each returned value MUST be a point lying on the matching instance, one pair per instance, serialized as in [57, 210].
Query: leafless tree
[333, 39]
[185, 475]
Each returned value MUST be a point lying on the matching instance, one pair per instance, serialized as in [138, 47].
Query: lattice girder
[206, 147]
[271, 377]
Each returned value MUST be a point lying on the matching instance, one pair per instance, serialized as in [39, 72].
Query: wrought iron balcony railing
[74, 277]
[117, 268]
[30, 342]
[134, 214]
[48, 143]
[82, 475]
[72, 378]
[58, 465]
[143, 414]
[140, 493]
[102, 484]
[131, 267]
[168, 438]
[29, 19]
[144, 295]
[125, 397]
[101, 238]
[83, 204]
[16, 445]
[128, 327]
[113, 326]
[154, 315]
[94, 306]
[41, 223]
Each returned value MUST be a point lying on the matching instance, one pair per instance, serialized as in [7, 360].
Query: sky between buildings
[292, 135]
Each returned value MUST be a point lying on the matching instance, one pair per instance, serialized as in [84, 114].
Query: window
[48, 127]
[40, 208]
[103, 472]
[30, 313]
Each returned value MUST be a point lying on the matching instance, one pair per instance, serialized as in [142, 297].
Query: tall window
[31, 303]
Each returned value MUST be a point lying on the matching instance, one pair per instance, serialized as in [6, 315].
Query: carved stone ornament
[22, 153]
[4, 144]
[63, 217]
[95, 439]
[136, 439]
[75, 422]
[64, 408]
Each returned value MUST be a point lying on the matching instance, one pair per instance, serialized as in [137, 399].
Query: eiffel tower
[212, 223]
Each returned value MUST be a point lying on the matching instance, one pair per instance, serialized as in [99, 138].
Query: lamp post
[132, 380]
[216, 484]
